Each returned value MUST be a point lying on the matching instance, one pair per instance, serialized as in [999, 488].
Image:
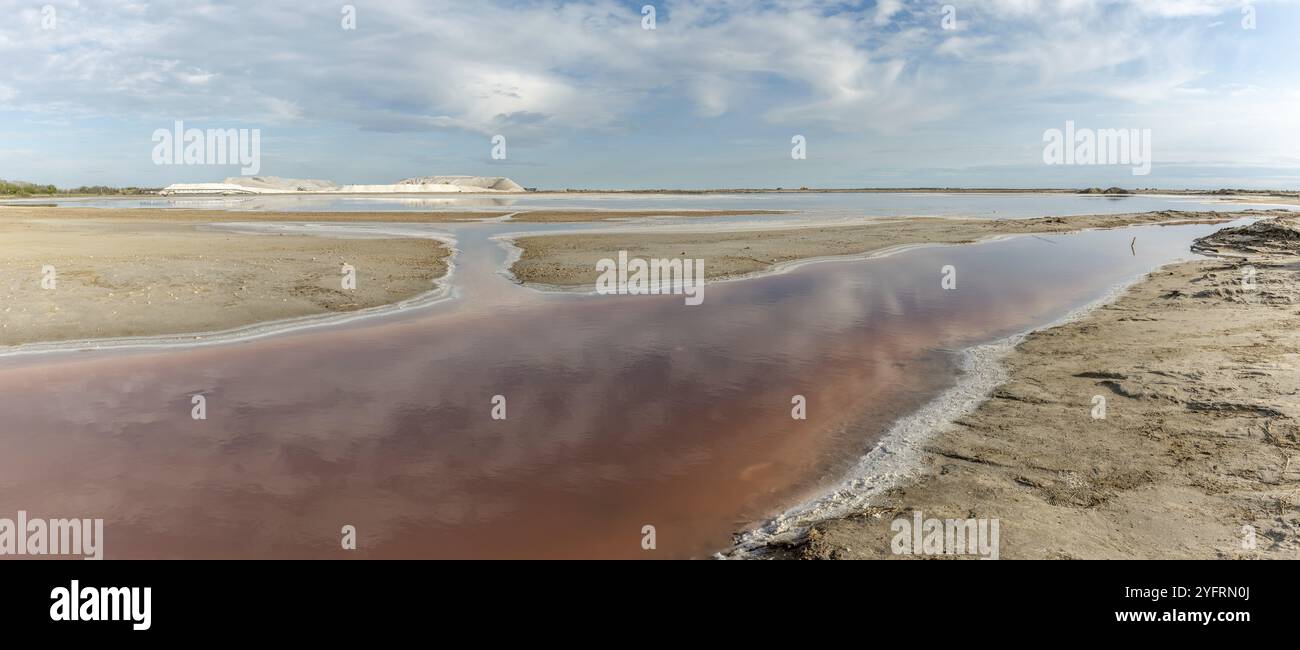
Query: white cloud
[485, 66]
[542, 68]
[885, 10]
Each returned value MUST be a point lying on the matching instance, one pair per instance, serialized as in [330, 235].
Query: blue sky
[587, 98]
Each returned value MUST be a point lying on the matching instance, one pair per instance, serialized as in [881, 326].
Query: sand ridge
[568, 260]
[118, 280]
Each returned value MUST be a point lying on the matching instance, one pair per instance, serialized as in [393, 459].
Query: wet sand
[116, 279]
[568, 261]
[1200, 438]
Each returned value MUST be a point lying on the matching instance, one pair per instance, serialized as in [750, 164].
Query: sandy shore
[115, 279]
[1200, 438]
[569, 260]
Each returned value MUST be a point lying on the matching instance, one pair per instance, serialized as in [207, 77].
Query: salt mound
[252, 185]
[275, 183]
[211, 188]
[1270, 236]
[495, 183]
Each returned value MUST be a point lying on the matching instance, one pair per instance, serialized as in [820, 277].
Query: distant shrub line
[12, 188]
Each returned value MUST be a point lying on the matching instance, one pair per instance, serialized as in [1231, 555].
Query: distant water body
[998, 206]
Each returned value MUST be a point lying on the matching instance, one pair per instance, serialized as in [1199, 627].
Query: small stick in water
[1133, 246]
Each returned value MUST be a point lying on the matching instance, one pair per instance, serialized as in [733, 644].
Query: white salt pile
[495, 183]
[276, 185]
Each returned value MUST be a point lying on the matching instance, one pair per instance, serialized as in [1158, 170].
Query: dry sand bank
[1201, 435]
[569, 260]
[128, 280]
